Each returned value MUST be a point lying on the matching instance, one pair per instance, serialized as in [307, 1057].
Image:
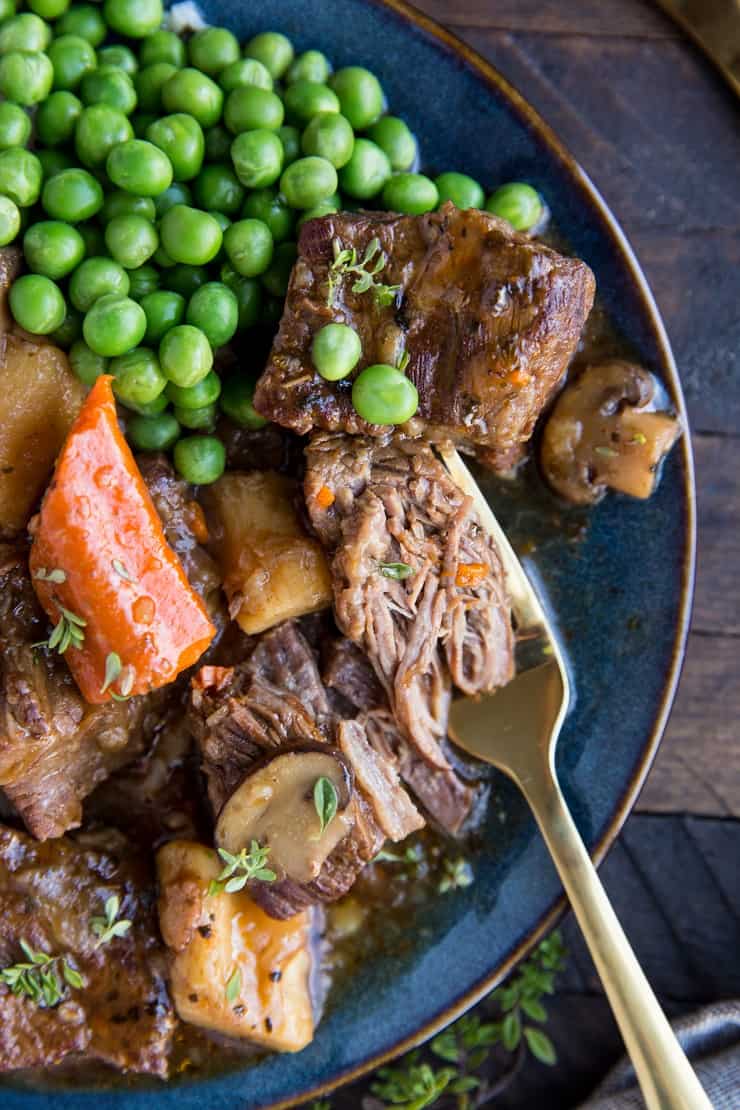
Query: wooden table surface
[658, 132]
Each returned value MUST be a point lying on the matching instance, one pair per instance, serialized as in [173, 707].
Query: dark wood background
[658, 132]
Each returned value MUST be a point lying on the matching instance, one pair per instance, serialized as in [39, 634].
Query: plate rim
[580, 180]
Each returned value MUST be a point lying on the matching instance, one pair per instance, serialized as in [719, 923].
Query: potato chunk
[226, 939]
[272, 570]
[40, 398]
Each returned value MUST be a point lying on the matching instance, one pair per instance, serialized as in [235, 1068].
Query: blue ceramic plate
[621, 596]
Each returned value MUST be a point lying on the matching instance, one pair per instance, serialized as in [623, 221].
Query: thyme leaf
[54, 575]
[39, 977]
[239, 869]
[67, 632]
[108, 927]
[364, 271]
[234, 986]
[399, 571]
[326, 800]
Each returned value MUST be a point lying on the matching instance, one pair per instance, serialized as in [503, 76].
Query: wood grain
[657, 130]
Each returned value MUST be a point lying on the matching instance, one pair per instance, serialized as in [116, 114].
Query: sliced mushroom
[275, 806]
[605, 431]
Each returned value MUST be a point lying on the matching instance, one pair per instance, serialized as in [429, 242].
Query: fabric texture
[711, 1039]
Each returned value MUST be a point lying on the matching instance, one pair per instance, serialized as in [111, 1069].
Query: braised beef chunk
[272, 701]
[489, 319]
[418, 583]
[54, 746]
[50, 894]
[357, 692]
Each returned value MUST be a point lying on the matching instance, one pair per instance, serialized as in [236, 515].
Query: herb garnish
[399, 571]
[403, 361]
[609, 452]
[121, 571]
[54, 575]
[457, 875]
[39, 978]
[233, 986]
[68, 631]
[411, 855]
[239, 869]
[105, 928]
[326, 800]
[114, 669]
[373, 261]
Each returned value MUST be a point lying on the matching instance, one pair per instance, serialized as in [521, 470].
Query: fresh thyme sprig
[39, 978]
[239, 869]
[457, 874]
[69, 631]
[365, 271]
[108, 927]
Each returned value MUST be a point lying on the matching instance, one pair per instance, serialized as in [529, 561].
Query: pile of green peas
[157, 184]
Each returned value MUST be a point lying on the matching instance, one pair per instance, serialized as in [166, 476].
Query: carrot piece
[142, 623]
[471, 574]
[325, 498]
[197, 522]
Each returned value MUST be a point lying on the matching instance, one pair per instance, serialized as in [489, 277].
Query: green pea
[109, 86]
[15, 125]
[248, 246]
[517, 203]
[185, 355]
[114, 325]
[393, 136]
[184, 279]
[53, 162]
[131, 240]
[277, 275]
[205, 392]
[217, 143]
[335, 351]
[324, 208]
[411, 193]
[10, 221]
[329, 135]
[360, 95]
[178, 193]
[48, 9]
[71, 57]
[463, 191]
[203, 419]
[310, 66]
[85, 363]
[149, 83]
[138, 378]
[217, 187]
[56, 118]
[153, 433]
[248, 293]
[306, 99]
[212, 49]
[189, 235]
[7, 10]
[139, 167]
[68, 331]
[214, 309]
[135, 19]
[290, 137]
[143, 280]
[72, 195]
[24, 32]
[119, 56]
[271, 312]
[257, 157]
[189, 90]
[247, 71]
[308, 181]
[366, 172]
[99, 129]
[151, 408]
[384, 395]
[92, 236]
[25, 78]
[95, 277]
[85, 21]
[181, 138]
[164, 309]
[269, 206]
[37, 304]
[163, 46]
[121, 203]
[140, 121]
[221, 218]
[274, 50]
[237, 401]
[20, 176]
[53, 248]
[249, 108]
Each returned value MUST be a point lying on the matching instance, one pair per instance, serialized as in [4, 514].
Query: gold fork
[516, 730]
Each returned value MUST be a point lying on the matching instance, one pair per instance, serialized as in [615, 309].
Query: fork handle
[667, 1079]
